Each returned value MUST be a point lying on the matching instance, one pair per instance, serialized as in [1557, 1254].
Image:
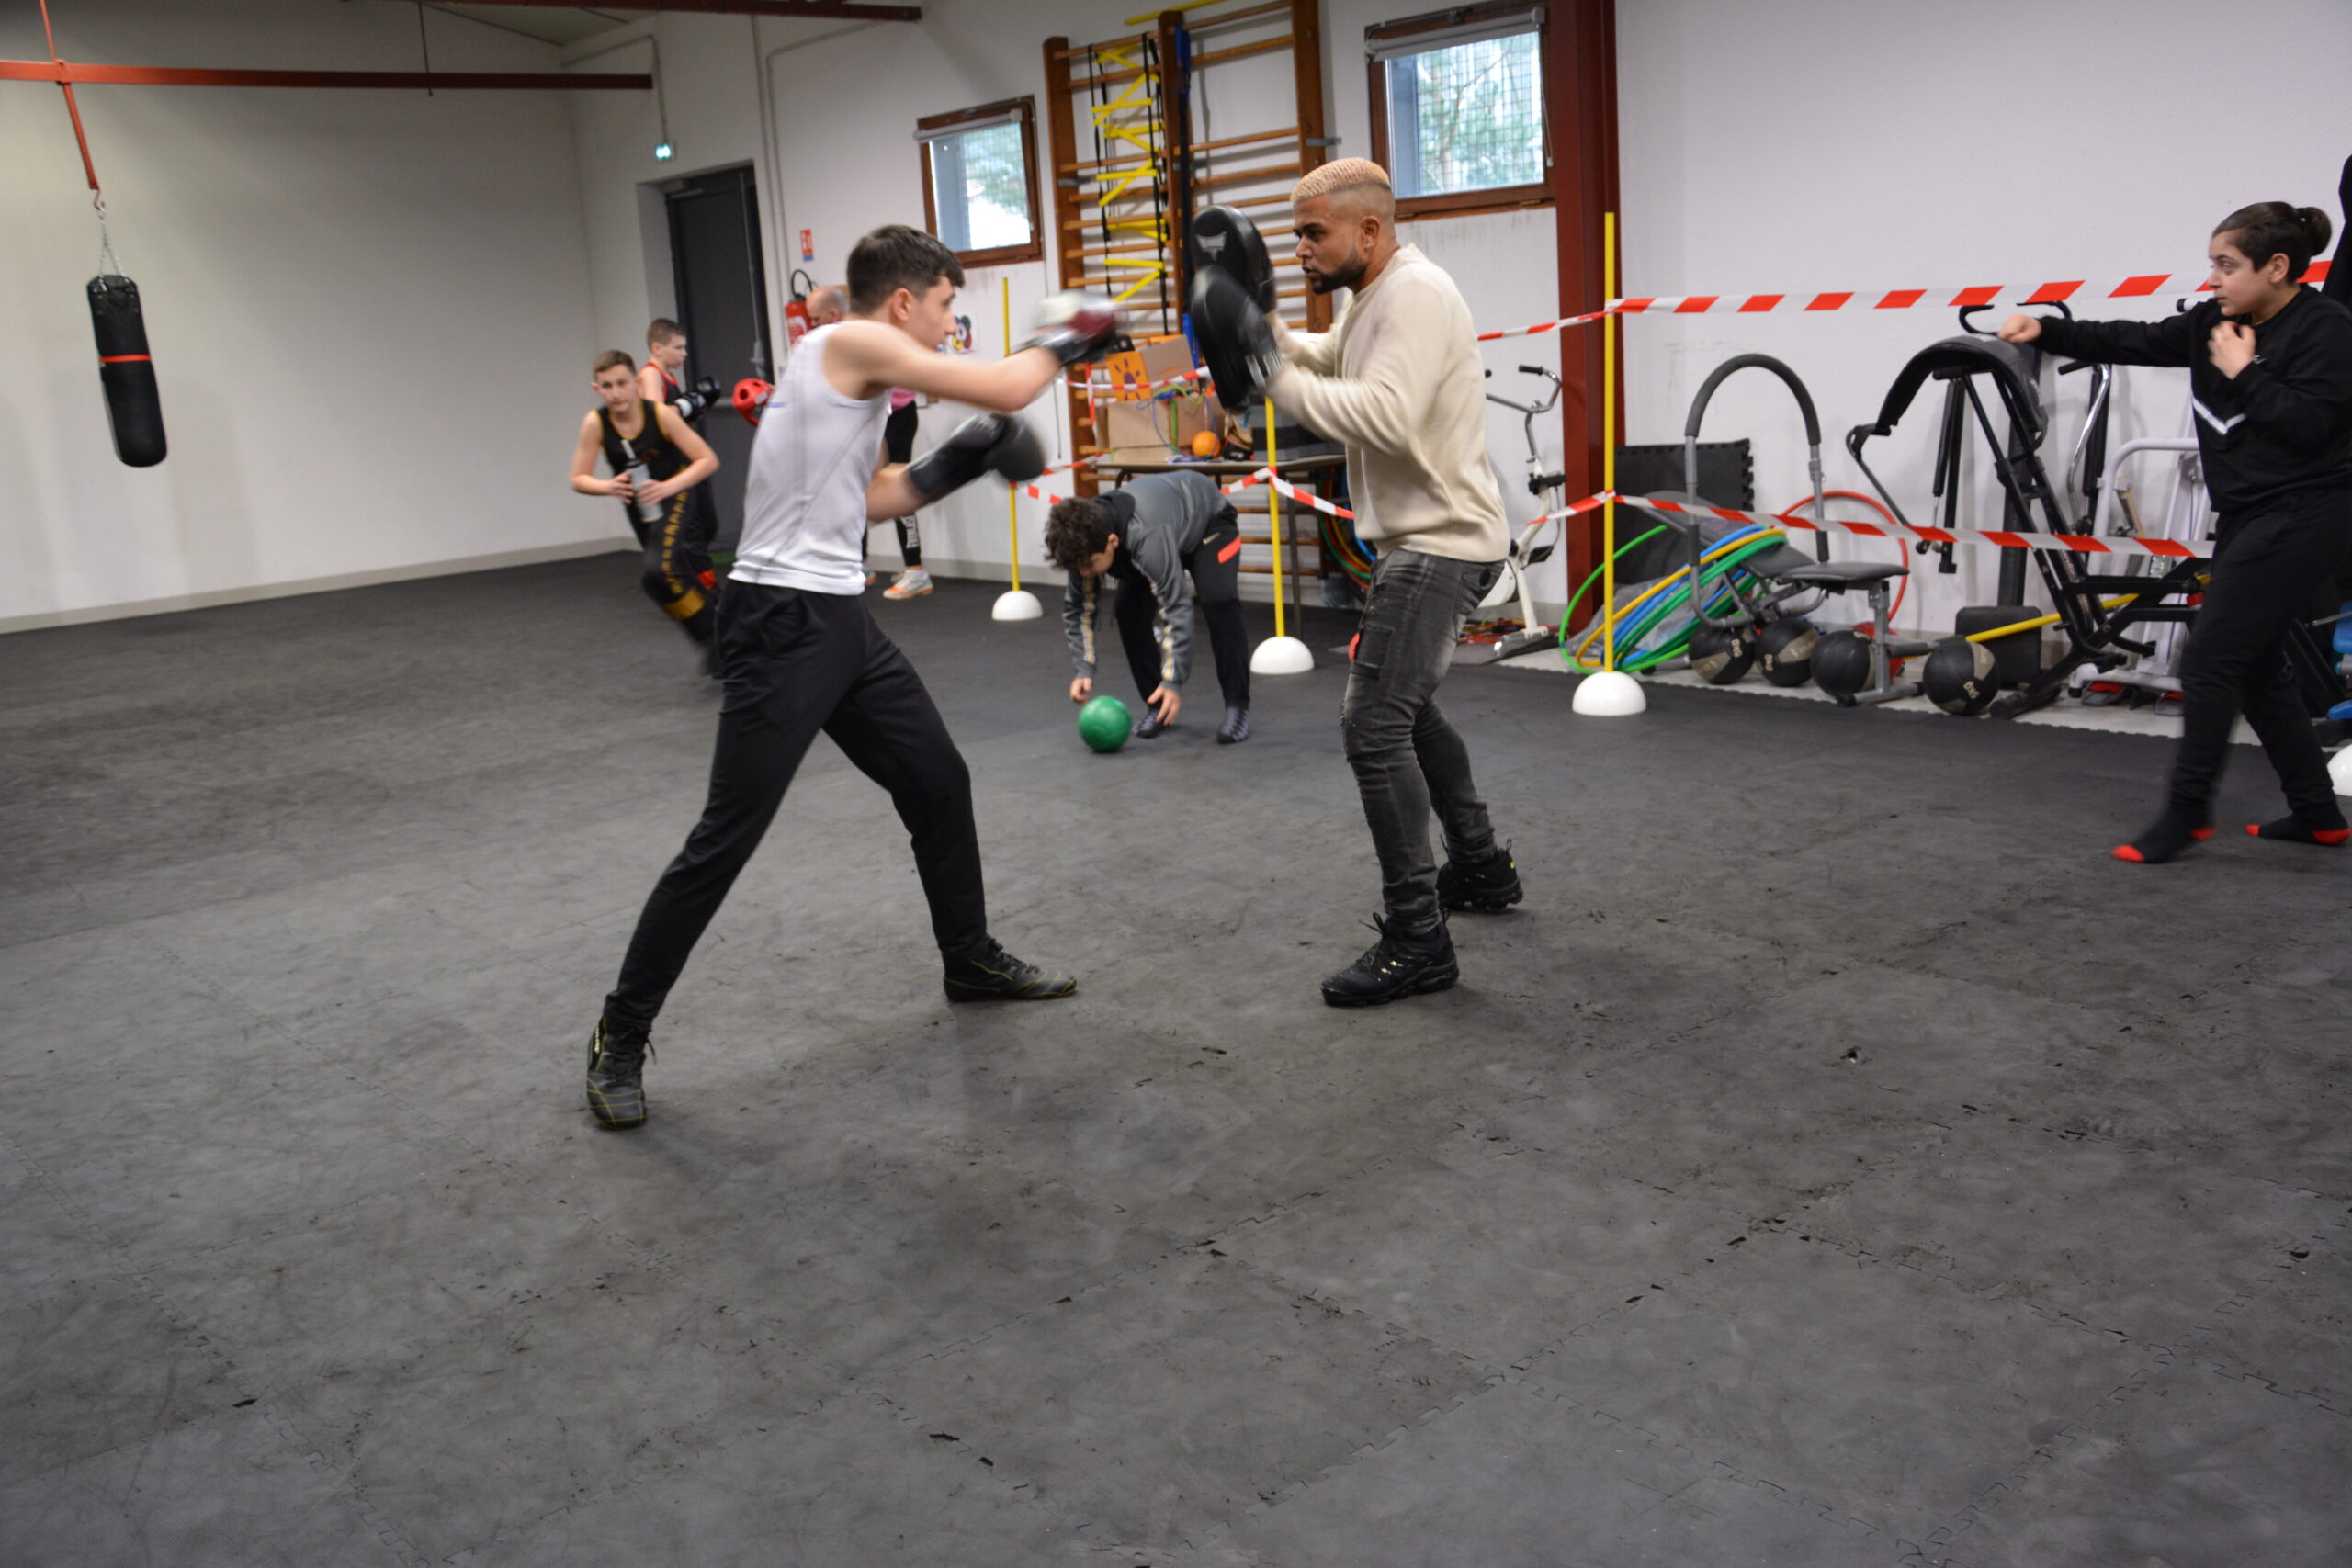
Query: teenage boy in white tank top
[799, 650]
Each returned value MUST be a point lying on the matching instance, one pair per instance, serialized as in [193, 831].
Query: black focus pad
[1234, 337]
[1224, 238]
[133, 406]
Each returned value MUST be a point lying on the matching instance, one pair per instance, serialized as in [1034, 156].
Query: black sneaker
[1394, 967]
[1149, 726]
[1235, 728]
[616, 1074]
[1484, 886]
[993, 974]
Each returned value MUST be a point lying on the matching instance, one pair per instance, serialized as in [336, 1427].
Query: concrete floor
[1836, 1163]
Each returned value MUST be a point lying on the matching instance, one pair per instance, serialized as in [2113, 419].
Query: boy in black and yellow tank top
[656, 461]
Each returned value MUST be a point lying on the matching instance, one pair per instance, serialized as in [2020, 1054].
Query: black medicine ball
[1784, 651]
[1721, 655]
[1959, 676]
[1841, 664]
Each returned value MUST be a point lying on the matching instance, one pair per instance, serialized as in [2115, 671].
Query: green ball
[1103, 723]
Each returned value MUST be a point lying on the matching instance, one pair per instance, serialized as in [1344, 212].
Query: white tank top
[803, 500]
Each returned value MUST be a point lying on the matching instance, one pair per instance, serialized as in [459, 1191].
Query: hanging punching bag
[129, 375]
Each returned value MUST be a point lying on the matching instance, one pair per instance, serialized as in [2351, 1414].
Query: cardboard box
[1136, 373]
[1165, 426]
[1131, 426]
[1194, 415]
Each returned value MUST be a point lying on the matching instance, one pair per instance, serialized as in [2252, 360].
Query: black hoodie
[2339, 275]
[2283, 425]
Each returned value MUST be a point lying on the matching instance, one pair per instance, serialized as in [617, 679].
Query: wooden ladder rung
[1246, 177]
[1230, 18]
[1081, 51]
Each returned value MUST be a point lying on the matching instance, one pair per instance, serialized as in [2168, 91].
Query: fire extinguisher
[795, 313]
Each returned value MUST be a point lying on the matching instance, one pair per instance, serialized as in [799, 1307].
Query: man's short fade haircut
[1077, 531]
[661, 330]
[612, 359]
[894, 257]
[1347, 179]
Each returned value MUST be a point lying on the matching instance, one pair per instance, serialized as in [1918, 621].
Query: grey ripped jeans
[1405, 756]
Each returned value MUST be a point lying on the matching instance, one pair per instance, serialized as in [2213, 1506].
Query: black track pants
[796, 663]
[2273, 567]
[898, 443]
[1216, 569]
[678, 561]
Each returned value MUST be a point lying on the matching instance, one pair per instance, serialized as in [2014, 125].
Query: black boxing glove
[692, 406]
[1075, 326]
[1235, 338]
[985, 442]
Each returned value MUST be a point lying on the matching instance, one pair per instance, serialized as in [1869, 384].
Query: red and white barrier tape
[2062, 544]
[1548, 326]
[1283, 487]
[1096, 385]
[2062, 291]
[1264, 476]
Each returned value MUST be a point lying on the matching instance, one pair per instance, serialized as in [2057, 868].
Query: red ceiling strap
[72, 107]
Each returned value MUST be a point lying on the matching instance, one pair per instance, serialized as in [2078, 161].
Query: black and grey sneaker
[1397, 967]
[990, 974]
[1235, 728]
[616, 1074]
[1149, 726]
[1484, 886]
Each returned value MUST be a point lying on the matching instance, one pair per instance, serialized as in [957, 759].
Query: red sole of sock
[2129, 852]
[2330, 838]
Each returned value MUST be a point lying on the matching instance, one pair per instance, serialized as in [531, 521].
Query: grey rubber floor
[1836, 1162]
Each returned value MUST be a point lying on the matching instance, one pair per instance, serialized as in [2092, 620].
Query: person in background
[656, 461]
[899, 440]
[1148, 536]
[658, 382]
[2269, 367]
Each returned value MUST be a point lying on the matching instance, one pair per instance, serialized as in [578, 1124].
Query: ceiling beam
[818, 10]
[70, 72]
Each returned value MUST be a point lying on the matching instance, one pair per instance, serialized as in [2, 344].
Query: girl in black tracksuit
[2271, 377]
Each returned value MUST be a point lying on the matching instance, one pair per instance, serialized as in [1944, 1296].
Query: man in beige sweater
[1397, 381]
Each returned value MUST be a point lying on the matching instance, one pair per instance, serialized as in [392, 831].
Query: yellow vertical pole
[1011, 496]
[1274, 515]
[1608, 444]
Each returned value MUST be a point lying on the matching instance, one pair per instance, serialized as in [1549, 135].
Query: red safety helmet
[751, 397]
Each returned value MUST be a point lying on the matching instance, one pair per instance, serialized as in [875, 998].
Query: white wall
[368, 312]
[1810, 144]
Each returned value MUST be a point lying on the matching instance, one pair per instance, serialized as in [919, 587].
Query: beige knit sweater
[1397, 381]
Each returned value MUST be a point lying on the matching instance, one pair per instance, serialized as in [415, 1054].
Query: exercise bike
[1551, 490]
